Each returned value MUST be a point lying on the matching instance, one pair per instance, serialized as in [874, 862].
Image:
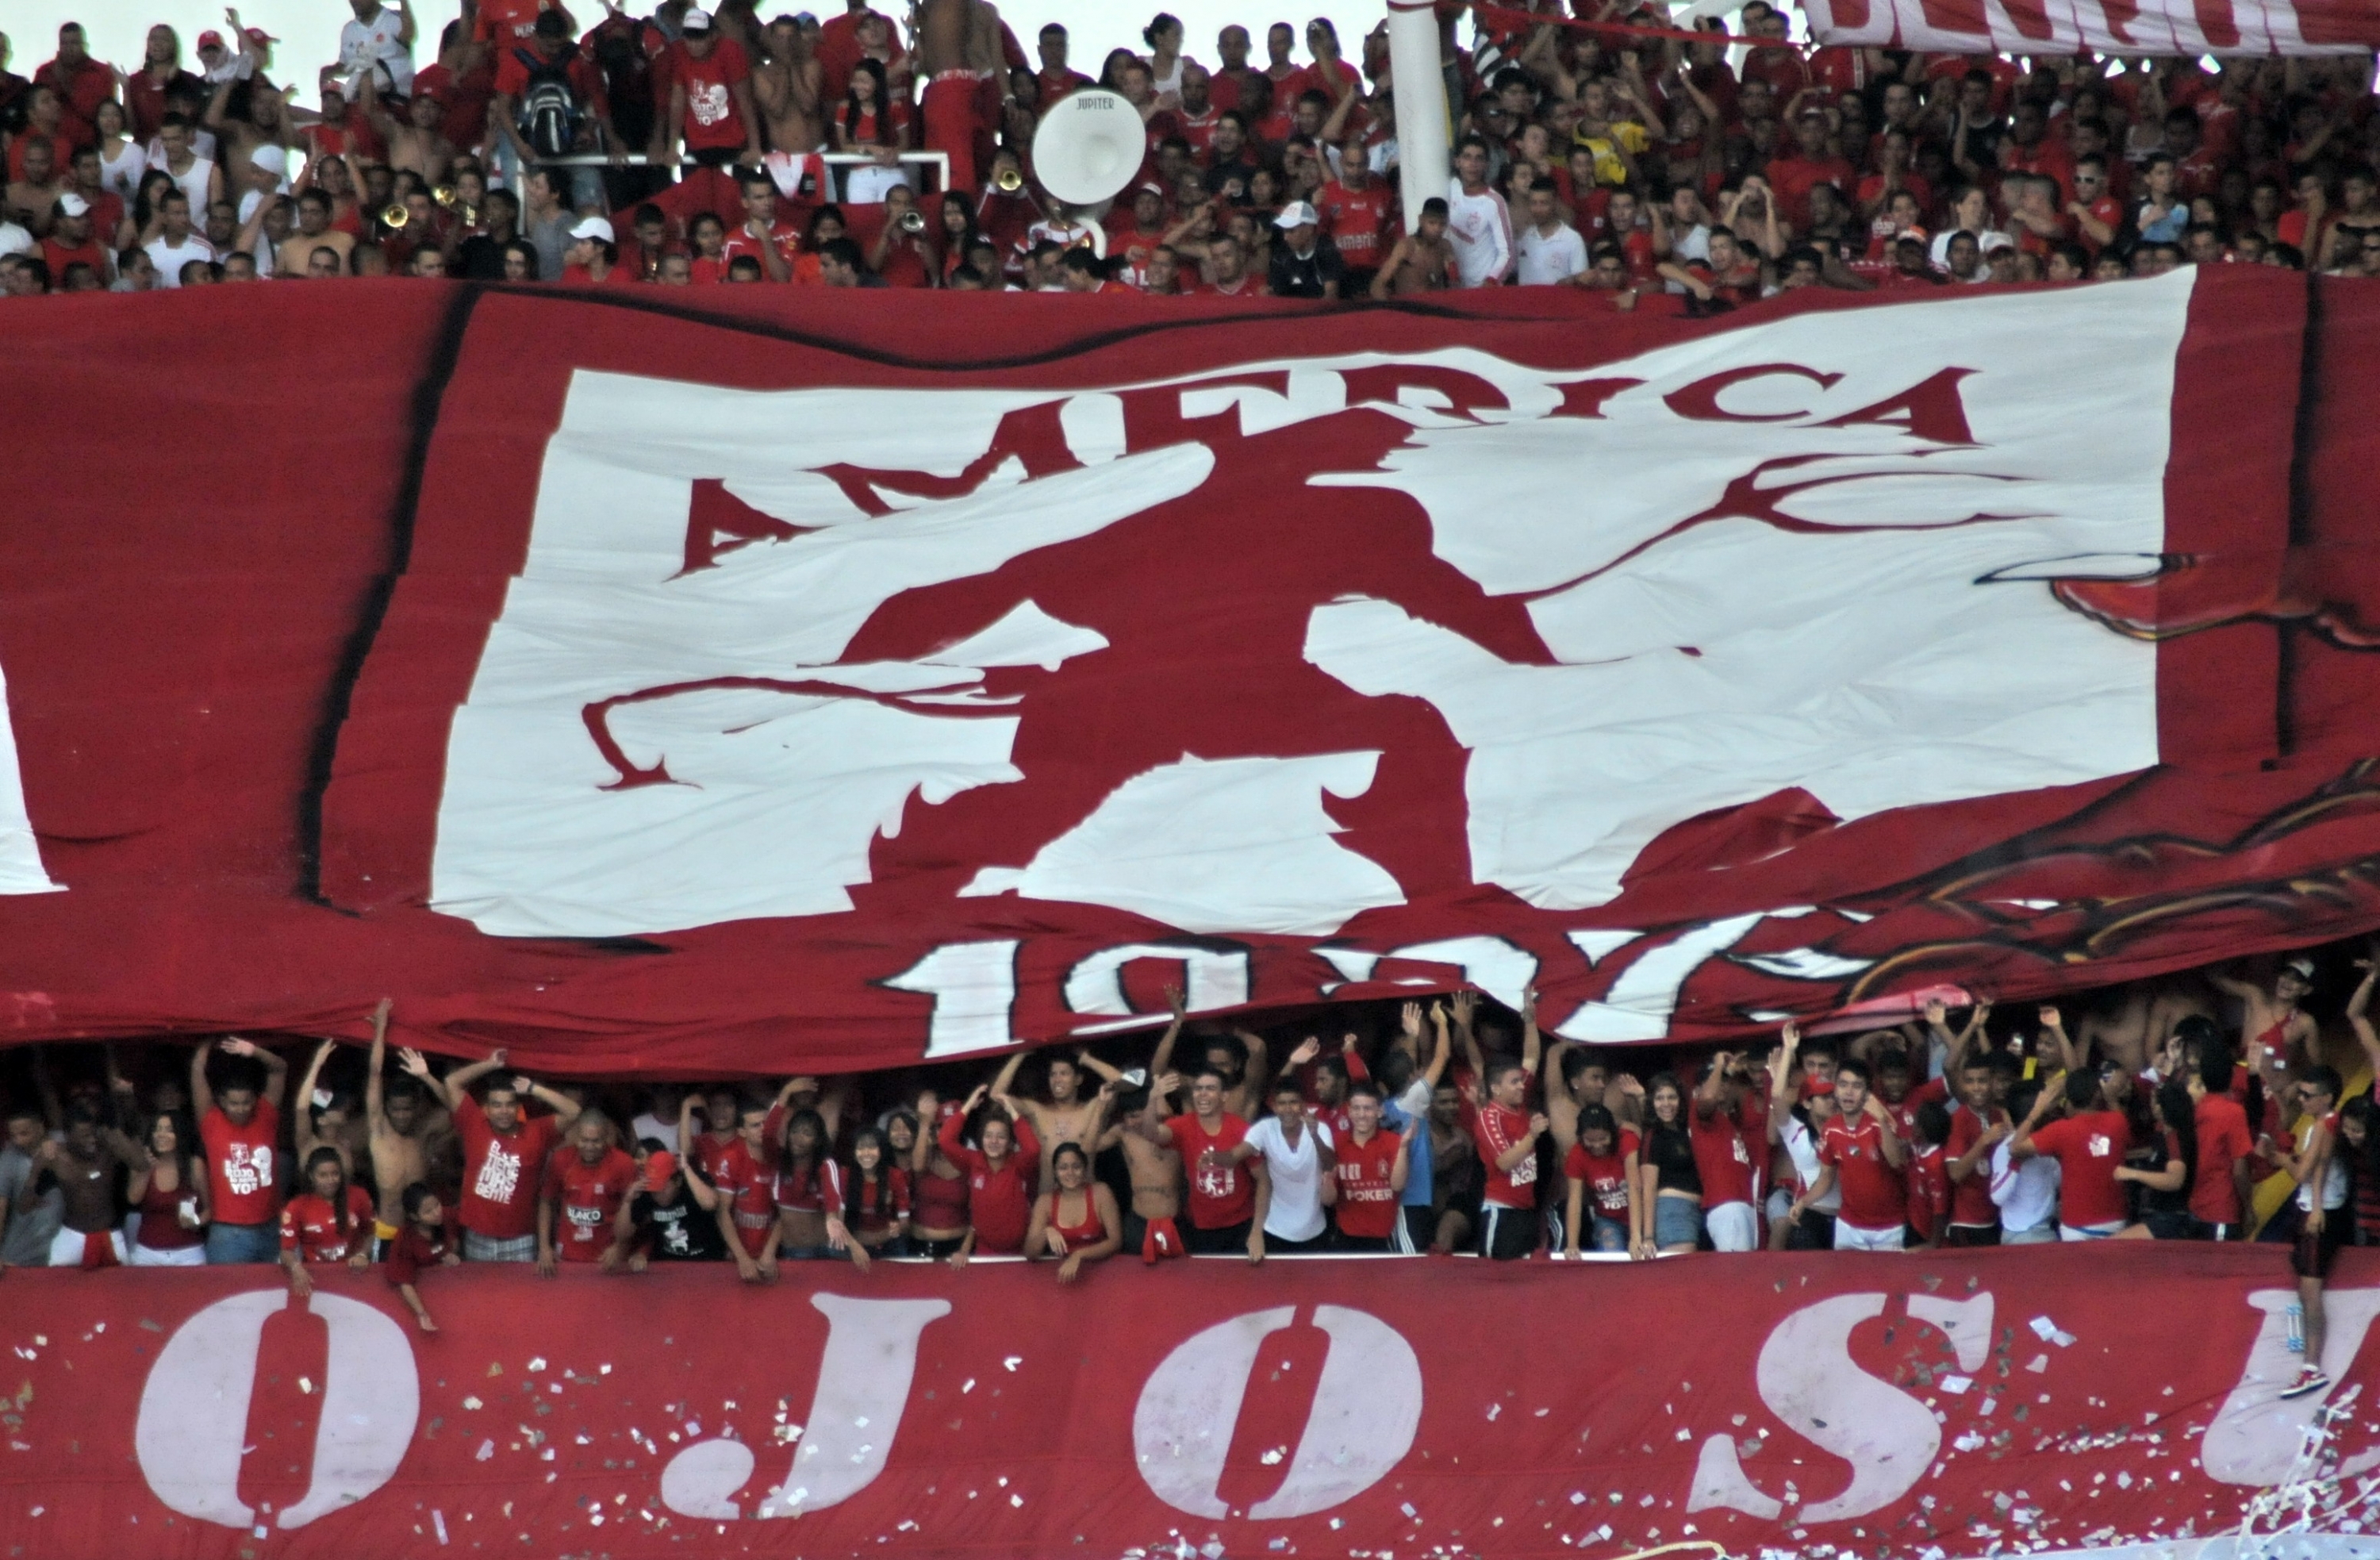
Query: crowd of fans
[2201, 1108]
[1693, 176]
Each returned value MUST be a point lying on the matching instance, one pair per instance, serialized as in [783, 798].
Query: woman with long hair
[1075, 1221]
[330, 1221]
[875, 1199]
[1669, 1184]
[806, 1186]
[1164, 36]
[938, 1187]
[874, 124]
[168, 1189]
[2164, 1191]
[959, 233]
[122, 156]
[999, 1171]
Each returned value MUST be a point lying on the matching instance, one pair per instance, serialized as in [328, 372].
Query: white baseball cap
[593, 228]
[74, 204]
[694, 20]
[1297, 213]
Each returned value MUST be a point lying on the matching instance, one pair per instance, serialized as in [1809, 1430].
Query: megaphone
[1089, 147]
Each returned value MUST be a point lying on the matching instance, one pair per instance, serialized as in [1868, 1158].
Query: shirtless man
[314, 232]
[1423, 260]
[396, 1120]
[87, 1167]
[2272, 1023]
[31, 201]
[786, 84]
[2140, 1025]
[959, 46]
[414, 142]
[1067, 1118]
[1243, 1072]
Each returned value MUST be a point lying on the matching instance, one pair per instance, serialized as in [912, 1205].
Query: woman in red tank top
[170, 1190]
[938, 1188]
[1075, 1221]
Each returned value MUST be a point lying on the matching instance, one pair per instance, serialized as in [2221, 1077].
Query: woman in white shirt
[121, 158]
[1298, 1183]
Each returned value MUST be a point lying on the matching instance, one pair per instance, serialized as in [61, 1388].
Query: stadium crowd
[2205, 1107]
[1686, 175]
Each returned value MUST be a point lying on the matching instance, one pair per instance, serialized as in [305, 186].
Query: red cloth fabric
[1875, 1195]
[412, 1250]
[949, 108]
[2223, 1141]
[1366, 1208]
[1498, 1130]
[1221, 1194]
[1000, 1200]
[2089, 1149]
[1603, 1175]
[586, 1198]
[310, 1226]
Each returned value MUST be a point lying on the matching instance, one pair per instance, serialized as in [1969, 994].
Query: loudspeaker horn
[1088, 147]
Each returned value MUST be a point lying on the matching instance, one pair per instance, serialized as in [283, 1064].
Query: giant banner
[657, 690]
[2190, 28]
[1919, 1405]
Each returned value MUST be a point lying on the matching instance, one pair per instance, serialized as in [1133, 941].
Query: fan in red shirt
[1355, 210]
[241, 1131]
[1860, 1151]
[425, 1241]
[748, 1202]
[1223, 1192]
[999, 1175]
[1370, 1169]
[2220, 1197]
[1600, 1214]
[504, 1150]
[1791, 179]
[710, 106]
[1928, 1175]
[1507, 1134]
[329, 1221]
[1976, 1128]
[2089, 1146]
[875, 1199]
[1729, 1120]
[580, 1198]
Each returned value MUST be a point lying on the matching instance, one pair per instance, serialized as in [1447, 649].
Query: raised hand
[235, 1046]
[1411, 1018]
[1936, 1011]
[411, 1061]
[1307, 1050]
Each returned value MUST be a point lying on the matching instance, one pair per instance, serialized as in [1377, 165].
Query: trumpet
[1009, 181]
[913, 221]
[394, 215]
[443, 194]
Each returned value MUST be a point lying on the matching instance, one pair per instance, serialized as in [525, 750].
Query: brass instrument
[394, 215]
[913, 221]
[1009, 182]
[443, 194]
[449, 201]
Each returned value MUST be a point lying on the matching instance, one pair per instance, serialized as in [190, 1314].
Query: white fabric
[138, 1255]
[1548, 257]
[653, 1127]
[193, 182]
[1480, 226]
[169, 260]
[1850, 1237]
[1732, 1227]
[2026, 1192]
[123, 175]
[66, 1247]
[1295, 1212]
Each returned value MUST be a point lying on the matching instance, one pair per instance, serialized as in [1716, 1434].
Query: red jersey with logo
[1000, 1201]
[412, 1250]
[1723, 1154]
[814, 1188]
[1366, 1208]
[1971, 1199]
[877, 1205]
[1357, 220]
[1221, 1194]
[310, 1226]
[1875, 1196]
[1603, 1175]
[501, 1172]
[2088, 1148]
[750, 1191]
[1497, 1130]
[587, 1199]
[241, 1186]
[711, 117]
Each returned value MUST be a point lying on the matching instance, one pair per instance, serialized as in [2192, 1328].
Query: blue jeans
[243, 1243]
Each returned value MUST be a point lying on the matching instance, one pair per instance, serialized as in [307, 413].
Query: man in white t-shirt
[1290, 1200]
[379, 40]
[1551, 250]
[1478, 222]
[176, 246]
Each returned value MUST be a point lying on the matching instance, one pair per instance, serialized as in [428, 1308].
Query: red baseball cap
[659, 1165]
[211, 40]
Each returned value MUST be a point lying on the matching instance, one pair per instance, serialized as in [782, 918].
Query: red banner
[1916, 1404]
[2190, 28]
[672, 691]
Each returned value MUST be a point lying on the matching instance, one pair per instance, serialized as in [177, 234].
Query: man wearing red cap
[670, 1216]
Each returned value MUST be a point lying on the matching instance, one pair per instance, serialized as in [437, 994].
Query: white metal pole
[1423, 134]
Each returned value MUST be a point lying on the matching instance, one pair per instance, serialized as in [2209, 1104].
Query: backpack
[549, 112]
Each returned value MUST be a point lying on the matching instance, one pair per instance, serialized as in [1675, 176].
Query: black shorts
[919, 1246]
[1417, 1227]
[1813, 1231]
[1507, 1234]
[1232, 1241]
[1972, 1235]
[2314, 1251]
[1342, 1241]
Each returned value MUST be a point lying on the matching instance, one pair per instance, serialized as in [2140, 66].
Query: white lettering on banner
[1794, 566]
[1808, 1379]
[974, 988]
[863, 1389]
[1366, 1410]
[20, 854]
[2257, 1435]
[2263, 28]
[205, 1374]
[1211, 979]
